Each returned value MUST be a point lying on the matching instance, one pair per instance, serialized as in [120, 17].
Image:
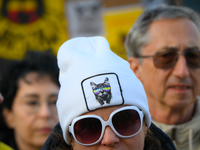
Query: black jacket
[52, 143]
[164, 139]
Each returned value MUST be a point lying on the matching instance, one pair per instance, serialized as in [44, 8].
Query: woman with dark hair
[101, 103]
[30, 89]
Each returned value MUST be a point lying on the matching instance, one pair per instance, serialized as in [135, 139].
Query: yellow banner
[118, 21]
[31, 25]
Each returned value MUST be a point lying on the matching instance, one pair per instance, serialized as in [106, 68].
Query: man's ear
[9, 118]
[135, 66]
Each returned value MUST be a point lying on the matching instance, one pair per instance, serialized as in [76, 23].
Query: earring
[146, 133]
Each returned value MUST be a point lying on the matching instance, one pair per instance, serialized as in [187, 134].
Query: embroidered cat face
[102, 91]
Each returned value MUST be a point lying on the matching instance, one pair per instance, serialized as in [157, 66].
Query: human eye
[53, 102]
[167, 54]
[30, 105]
[193, 54]
[32, 102]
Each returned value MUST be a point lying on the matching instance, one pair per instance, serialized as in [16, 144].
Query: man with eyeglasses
[163, 49]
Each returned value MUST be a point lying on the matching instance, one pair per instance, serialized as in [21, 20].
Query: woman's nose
[44, 110]
[109, 137]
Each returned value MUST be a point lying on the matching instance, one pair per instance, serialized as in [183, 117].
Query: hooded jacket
[185, 136]
[53, 143]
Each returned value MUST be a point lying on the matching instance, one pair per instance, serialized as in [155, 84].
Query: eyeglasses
[168, 59]
[89, 129]
[33, 106]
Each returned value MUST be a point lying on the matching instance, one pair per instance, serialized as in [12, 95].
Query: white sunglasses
[89, 129]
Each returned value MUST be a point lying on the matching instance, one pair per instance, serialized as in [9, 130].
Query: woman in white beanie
[101, 103]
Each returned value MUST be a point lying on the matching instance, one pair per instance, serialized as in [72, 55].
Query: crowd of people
[90, 98]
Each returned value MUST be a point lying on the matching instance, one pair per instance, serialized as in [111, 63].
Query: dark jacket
[164, 139]
[52, 143]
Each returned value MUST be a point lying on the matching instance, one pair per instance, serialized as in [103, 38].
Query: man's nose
[109, 137]
[181, 70]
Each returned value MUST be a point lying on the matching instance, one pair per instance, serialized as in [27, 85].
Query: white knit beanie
[88, 62]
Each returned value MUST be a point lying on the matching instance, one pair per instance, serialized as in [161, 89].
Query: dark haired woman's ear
[8, 116]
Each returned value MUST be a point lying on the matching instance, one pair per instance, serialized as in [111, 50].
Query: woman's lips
[45, 130]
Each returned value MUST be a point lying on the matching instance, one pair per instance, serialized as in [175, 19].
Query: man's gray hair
[137, 36]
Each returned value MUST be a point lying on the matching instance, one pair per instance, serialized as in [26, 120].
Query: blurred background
[44, 25]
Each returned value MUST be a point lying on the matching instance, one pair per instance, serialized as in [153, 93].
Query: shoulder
[164, 139]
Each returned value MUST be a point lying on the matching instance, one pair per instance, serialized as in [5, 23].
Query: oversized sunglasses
[89, 129]
[168, 59]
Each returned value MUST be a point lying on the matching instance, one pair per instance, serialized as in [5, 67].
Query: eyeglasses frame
[107, 123]
[149, 56]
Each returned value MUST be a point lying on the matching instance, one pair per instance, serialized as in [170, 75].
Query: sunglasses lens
[107, 89]
[97, 91]
[126, 122]
[193, 59]
[88, 130]
[165, 60]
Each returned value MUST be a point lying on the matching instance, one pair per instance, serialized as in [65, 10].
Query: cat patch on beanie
[102, 90]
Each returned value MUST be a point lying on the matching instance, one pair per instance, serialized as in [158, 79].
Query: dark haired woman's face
[34, 112]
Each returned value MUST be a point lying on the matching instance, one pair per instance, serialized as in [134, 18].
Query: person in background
[163, 49]
[101, 103]
[30, 90]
